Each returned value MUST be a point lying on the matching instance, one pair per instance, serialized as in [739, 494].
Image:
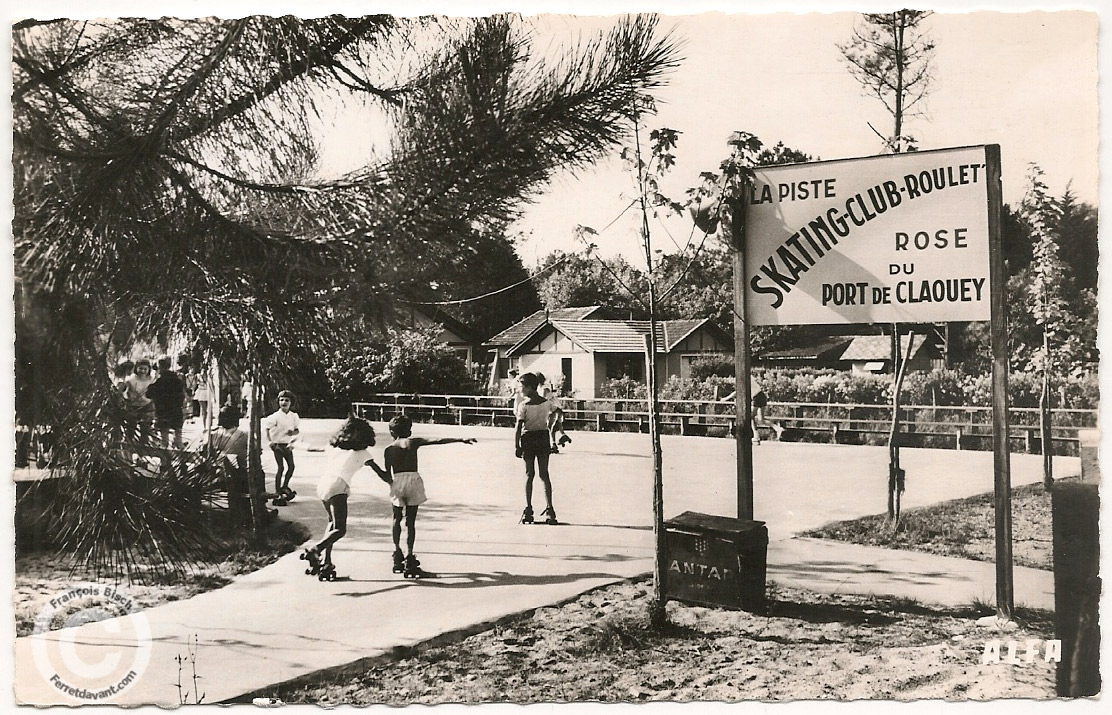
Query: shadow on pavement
[474, 579]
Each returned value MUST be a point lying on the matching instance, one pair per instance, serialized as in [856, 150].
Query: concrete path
[278, 624]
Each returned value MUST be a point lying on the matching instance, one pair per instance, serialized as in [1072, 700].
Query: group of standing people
[537, 422]
[158, 402]
[280, 430]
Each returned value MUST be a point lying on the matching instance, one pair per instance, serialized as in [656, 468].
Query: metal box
[715, 561]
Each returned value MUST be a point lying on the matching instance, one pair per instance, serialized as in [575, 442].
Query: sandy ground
[808, 647]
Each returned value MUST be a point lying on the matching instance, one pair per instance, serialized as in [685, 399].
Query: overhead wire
[523, 281]
[589, 250]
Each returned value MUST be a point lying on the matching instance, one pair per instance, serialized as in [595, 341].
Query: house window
[618, 365]
[506, 364]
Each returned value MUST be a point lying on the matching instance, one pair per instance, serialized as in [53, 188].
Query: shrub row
[937, 387]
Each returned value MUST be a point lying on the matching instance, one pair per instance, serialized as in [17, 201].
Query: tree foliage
[890, 55]
[1052, 321]
[166, 179]
[581, 279]
[411, 361]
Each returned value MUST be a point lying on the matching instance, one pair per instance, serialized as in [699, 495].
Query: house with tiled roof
[824, 353]
[454, 333]
[579, 355]
[873, 353]
[500, 344]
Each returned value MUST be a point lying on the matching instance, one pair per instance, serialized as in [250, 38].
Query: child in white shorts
[350, 455]
[407, 489]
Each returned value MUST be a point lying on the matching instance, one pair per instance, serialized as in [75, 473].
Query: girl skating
[349, 456]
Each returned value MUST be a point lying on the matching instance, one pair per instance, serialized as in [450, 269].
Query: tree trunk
[256, 480]
[1044, 421]
[657, 613]
[895, 474]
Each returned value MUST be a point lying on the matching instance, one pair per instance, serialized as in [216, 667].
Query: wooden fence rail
[963, 427]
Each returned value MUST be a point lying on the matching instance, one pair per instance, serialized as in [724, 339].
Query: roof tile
[520, 330]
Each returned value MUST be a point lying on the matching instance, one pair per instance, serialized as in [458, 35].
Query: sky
[1027, 81]
[1024, 80]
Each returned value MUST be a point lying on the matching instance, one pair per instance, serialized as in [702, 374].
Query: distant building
[580, 354]
[825, 353]
[873, 353]
[454, 333]
[499, 345]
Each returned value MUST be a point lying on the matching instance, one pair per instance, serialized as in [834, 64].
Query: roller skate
[564, 440]
[314, 562]
[549, 515]
[327, 572]
[399, 561]
[287, 494]
[279, 499]
[413, 568]
[527, 515]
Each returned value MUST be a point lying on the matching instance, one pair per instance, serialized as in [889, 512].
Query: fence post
[684, 421]
[600, 422]
[732, 422]
[834, 433]
[957, 438]
[1027, 440]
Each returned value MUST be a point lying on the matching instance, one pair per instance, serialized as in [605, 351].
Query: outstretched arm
[421, 442]
[383, 474]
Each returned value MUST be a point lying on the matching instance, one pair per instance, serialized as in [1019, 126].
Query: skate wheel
[309, 572]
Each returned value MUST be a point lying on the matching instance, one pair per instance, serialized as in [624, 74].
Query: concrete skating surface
[278, 624]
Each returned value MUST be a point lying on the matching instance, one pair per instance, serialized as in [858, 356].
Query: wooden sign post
[1001, 454]
[743, 400]
[903, 238]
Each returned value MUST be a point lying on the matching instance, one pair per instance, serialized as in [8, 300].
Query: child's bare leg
[396, 529]
[530, 472]
[337, 524]
[542, 463]
[410, 528]
[279, 468]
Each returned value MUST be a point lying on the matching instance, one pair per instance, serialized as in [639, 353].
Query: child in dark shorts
[531, 443]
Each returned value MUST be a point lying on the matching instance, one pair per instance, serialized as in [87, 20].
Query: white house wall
[547, 357]
[699, 344]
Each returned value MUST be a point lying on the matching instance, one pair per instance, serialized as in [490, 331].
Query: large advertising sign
[890, 239]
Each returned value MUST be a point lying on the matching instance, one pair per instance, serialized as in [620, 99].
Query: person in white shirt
[349, 456]
[531, 443]
[282, 429]
[547, 393]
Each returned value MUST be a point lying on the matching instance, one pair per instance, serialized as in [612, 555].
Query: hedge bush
[943, 388]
